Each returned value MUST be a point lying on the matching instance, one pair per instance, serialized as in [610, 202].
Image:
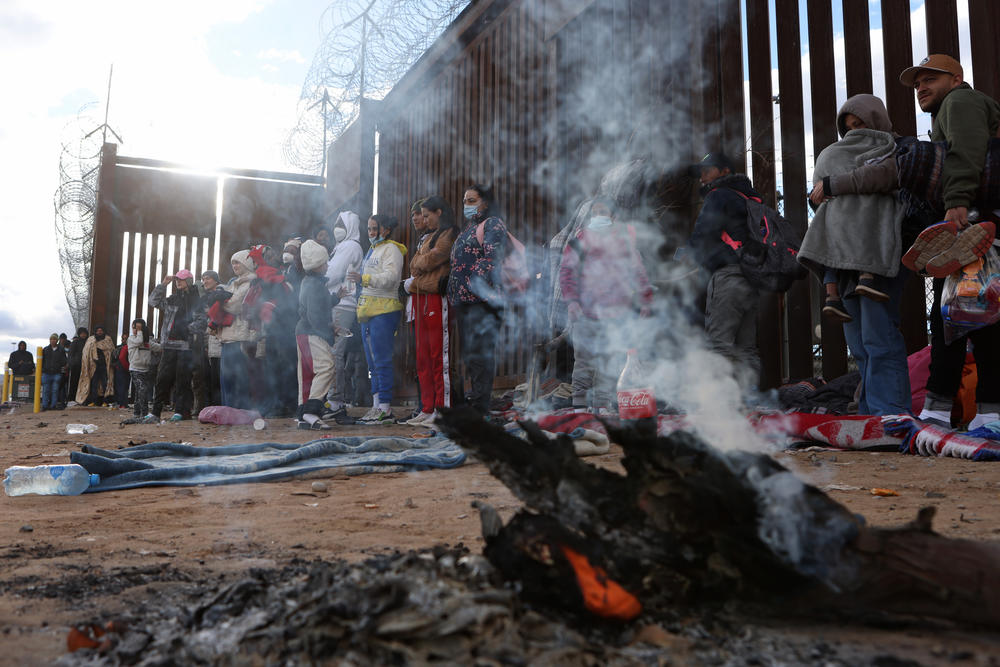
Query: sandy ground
[107, 541]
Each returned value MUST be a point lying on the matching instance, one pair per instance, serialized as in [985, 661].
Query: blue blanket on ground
[177, 464]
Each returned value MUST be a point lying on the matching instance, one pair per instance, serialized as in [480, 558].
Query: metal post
[38, 380]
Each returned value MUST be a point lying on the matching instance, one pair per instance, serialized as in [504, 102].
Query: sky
[200, 83]
[204, 83]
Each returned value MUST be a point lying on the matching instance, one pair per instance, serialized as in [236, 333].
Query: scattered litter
[841, 487]
[884, 492]
[76, 429]
[259, 424]
[311, 504]
[409, 503]
[319, 487]
[934, 494]
[371, 506]
[462, 516]
[41, 424]
[27, 528]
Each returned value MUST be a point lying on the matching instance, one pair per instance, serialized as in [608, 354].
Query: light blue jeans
[50, 389]
[878, 347]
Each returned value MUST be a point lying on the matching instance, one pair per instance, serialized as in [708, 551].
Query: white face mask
[599, 222]
[339, 233]
[287, 257]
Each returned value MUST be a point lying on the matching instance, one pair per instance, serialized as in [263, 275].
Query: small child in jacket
[140, 364]
[314, 337]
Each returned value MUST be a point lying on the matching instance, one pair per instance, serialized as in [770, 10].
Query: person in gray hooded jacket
[314, 337]
[860, 234]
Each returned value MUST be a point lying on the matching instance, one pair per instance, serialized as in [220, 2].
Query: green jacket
[967, 120]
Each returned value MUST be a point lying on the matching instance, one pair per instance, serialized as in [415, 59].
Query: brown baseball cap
[937, 62]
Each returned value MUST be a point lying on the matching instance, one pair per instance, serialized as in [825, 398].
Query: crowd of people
[312, 329]
[886, 206]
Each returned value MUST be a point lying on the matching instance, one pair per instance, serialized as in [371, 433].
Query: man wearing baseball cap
[731, 305]
[966, 120]
[174, 370]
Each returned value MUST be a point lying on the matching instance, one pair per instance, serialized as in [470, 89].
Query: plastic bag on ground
[227, 416]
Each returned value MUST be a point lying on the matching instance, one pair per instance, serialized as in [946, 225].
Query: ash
[438, 606]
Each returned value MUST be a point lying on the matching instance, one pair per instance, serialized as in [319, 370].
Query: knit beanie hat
[313, 255]
[243, 257]
[214, 275]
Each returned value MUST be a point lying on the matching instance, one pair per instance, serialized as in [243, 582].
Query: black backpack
[769, 258]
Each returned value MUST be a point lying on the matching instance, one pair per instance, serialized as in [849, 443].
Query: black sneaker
[866, 287]
[834, 309]
[318, 425]
[340, 416]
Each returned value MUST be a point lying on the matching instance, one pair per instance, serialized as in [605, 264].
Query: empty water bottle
[66, 480]
[80, 428]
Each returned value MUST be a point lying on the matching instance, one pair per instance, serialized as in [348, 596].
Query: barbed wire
[75, 207]
[367, 46]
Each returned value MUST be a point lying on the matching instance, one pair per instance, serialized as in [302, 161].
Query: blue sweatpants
[378, 337]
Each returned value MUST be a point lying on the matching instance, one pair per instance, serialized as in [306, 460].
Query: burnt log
[691, 524]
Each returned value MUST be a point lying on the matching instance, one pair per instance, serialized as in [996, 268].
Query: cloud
[281, 55]
[168, 101]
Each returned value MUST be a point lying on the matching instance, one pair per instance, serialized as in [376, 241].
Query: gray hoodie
[347, 256]
[853, 231]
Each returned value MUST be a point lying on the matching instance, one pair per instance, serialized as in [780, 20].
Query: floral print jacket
[475, 268]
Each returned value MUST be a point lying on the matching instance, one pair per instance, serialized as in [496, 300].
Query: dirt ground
[109, 542]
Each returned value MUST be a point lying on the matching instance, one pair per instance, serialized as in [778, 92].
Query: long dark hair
[145, 330]
[386, 221]
[489, 196]
[447, 221]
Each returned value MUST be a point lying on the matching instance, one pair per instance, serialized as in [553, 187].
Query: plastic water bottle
[66, 480]
[77, 429]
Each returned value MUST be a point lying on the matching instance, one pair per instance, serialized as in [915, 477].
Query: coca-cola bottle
[636, 403]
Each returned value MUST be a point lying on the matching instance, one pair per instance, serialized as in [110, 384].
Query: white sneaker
[982, 420]
[421, 419]
[368, 416]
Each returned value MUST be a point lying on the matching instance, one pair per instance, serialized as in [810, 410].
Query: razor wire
[75, 208]
[367, 46]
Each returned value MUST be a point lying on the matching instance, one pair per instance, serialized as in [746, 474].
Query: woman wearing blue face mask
[604, 284]
[475, 290]
[378, 311]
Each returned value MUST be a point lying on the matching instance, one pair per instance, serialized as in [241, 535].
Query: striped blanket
[921, 163]
[930, 440]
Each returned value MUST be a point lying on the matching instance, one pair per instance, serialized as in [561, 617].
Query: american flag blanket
[931, 440]
[838, 431]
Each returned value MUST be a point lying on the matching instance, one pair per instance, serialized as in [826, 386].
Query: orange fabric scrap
[884, 492]
[602, 595]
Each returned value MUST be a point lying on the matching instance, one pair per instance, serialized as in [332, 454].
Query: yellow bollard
[38, 381]
[6, 384]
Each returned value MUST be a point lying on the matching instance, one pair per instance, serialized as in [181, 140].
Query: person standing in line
[732, 302]
[96, 381]
[54, 363]
[140, 362]
[314, 337]
[966, 120]
[201, 375]
[20, 361]
[237, 335]
[604, 283]
[347, 257]
[75, 356]
[291, 263]
[475, 290]
[173, 376]
[418, 222]
[429, 270]
[64, 386]
[120, 365]
[378, 311]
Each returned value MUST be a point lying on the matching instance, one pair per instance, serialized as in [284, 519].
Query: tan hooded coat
[89, 365]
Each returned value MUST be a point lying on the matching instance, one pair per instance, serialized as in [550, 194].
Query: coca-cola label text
[636, 404]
